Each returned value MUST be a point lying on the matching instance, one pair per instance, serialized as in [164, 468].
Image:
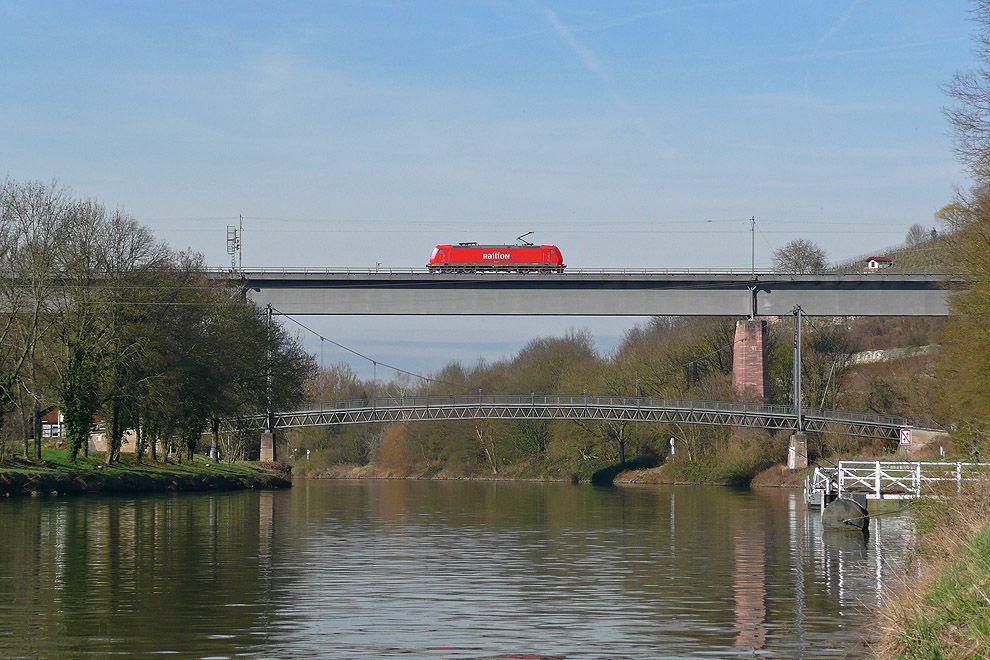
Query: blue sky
[353, 133]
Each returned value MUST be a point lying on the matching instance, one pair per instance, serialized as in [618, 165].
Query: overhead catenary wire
[487, 223]
[375, 362]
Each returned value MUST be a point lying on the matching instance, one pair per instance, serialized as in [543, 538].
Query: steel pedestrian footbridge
[576, 407]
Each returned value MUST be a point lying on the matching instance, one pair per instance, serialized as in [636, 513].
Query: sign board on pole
[905, 436]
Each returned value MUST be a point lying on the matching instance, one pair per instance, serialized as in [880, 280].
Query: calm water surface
[434, 569]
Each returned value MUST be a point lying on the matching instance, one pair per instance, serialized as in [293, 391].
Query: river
[439, 569]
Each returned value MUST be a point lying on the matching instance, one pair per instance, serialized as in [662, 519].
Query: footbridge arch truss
[577, 408]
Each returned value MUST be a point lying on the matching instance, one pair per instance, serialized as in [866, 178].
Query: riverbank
[371, 471]
[57, 475]
[945, 612]
[775, 476]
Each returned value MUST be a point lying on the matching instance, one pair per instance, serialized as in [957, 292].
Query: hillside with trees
[687, 358]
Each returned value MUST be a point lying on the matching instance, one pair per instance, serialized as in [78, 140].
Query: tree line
[100, 319]
[688, 358]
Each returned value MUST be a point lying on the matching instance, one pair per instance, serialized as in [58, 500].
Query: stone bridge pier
[750, 378]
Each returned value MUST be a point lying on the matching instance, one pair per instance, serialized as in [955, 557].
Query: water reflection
[749, 557]
[439, 569]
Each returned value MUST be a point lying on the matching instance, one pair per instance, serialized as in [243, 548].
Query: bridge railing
[853, 416]
[580, 400]
[364, 270]
[576, 400]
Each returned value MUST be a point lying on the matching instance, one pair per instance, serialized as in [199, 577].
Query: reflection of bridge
[579, 407]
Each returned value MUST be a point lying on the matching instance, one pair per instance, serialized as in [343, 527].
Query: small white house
[877, 263]
[52, 423]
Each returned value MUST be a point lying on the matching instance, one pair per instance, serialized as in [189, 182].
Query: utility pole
[752, 235]
[234, 241]
[798, 312]
[268, 449]
[268, 373]
[240, 243]
[797, 447]
[752, 272]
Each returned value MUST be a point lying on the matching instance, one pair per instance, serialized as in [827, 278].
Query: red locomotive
[475, 258]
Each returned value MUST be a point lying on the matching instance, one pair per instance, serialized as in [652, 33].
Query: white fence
[890, 480]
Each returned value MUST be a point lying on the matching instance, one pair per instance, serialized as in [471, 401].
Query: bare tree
[800, 256]
[954, 215]
[917, 235]
[32, 231]
[971, 117]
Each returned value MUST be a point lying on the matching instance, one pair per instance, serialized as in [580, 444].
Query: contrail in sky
[587, 58]
[595, 67]
[835, 27]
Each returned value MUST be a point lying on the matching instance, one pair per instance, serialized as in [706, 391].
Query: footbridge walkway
[577, 407]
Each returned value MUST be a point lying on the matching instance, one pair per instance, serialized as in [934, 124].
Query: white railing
[891, 479]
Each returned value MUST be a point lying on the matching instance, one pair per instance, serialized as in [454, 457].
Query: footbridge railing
[577, 407]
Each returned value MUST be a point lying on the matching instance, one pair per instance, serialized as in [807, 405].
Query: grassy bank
[945, 613]
[638, 470]
[56, 474]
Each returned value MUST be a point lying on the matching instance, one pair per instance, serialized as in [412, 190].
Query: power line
[765, 240]
[372, 360]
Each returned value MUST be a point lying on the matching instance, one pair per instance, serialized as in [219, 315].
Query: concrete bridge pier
[267, 447]
[750, 378]
[797, 452]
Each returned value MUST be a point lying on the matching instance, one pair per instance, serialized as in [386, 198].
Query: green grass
[57, 473]
[955, 611]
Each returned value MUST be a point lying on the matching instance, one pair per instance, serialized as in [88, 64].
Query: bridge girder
[596, 293]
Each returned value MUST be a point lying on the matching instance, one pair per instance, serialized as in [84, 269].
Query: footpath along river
[439, 569]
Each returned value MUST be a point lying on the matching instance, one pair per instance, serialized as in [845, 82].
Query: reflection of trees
[135, 575]
[738, 570]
